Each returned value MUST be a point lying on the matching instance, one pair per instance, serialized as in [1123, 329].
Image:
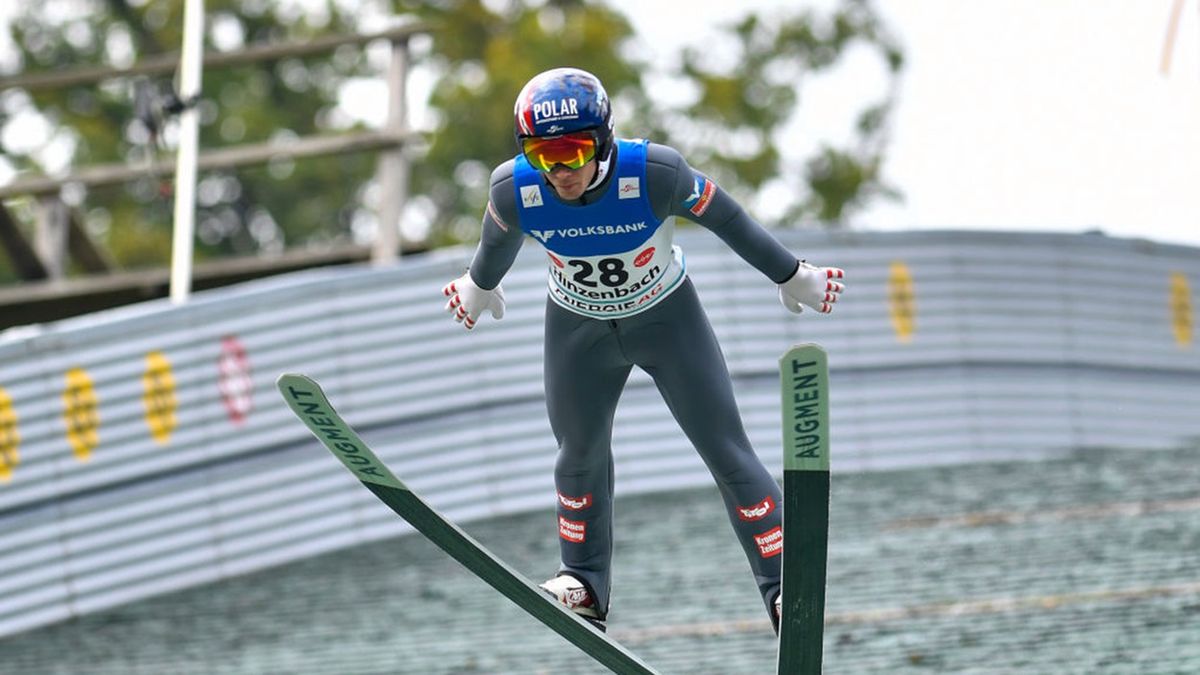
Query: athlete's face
[571, 183]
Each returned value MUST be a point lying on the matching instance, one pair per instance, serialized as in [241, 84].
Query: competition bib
[609, 259]
[618, 284]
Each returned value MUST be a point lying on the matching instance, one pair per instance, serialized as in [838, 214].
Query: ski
[804, 375]
[305, 397]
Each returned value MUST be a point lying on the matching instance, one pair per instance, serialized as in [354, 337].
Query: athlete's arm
[676, 189]
[478, 289]
[501, 237]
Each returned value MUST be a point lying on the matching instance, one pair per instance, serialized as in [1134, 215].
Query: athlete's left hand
[812, 286]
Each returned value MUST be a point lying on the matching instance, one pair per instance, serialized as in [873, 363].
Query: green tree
[238, 212]
[482, 59]
[754, 101]
[481, 55]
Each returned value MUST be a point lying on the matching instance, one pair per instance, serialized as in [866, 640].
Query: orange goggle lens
[570, 150]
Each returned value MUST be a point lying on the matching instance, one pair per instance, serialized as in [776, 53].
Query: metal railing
[54, 230]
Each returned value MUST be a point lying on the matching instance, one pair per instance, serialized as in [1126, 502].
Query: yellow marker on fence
[902, 301]
[158, 395]
[1181, 309]
[10, 438]
[80, 414]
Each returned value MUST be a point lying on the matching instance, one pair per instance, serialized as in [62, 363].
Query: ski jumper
[619, 297]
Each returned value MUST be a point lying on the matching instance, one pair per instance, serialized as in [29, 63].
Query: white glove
[812, 286]
[468, 301]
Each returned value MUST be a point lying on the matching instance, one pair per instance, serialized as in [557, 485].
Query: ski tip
[809, 350]
[289, 383]
[285, 377]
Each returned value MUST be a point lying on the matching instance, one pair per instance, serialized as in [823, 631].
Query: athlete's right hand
[468, 301]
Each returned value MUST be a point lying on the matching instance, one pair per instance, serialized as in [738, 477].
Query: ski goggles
[570, 150]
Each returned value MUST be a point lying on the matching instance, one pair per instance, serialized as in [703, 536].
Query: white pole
[191, 62]
[393, 164]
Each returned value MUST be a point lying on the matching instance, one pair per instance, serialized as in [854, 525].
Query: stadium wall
[144, 450]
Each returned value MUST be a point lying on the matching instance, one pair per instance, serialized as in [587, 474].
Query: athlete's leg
[694, 380]
[584, 373]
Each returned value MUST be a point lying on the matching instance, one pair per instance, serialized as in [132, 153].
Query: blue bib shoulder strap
[631, 158]
[621, 219]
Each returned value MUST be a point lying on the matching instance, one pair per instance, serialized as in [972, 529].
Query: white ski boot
[573, 594]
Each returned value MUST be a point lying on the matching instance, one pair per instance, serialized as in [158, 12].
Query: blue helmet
[563, 101]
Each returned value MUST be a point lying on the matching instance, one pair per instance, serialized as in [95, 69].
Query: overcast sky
[1014, 114]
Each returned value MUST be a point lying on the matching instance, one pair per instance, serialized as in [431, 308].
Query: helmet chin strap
[601, 171]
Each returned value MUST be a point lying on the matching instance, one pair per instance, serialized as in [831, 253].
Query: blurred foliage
[481, 55]
[752, 100]
[239, 212]
[482, 59]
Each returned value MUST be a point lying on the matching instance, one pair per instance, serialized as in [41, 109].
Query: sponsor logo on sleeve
[644, 257]
[770, 543]
[702, 194]
[575, 531]
[575, 503]
[531, 196]
[629, 188]
[496, 216]
[758, 511]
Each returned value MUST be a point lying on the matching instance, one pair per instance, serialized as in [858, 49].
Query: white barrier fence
[144, 450]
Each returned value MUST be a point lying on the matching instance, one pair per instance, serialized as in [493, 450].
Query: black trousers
[587, 362]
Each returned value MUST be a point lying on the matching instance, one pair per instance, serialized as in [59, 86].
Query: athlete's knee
[582, 457]
[735, 465]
